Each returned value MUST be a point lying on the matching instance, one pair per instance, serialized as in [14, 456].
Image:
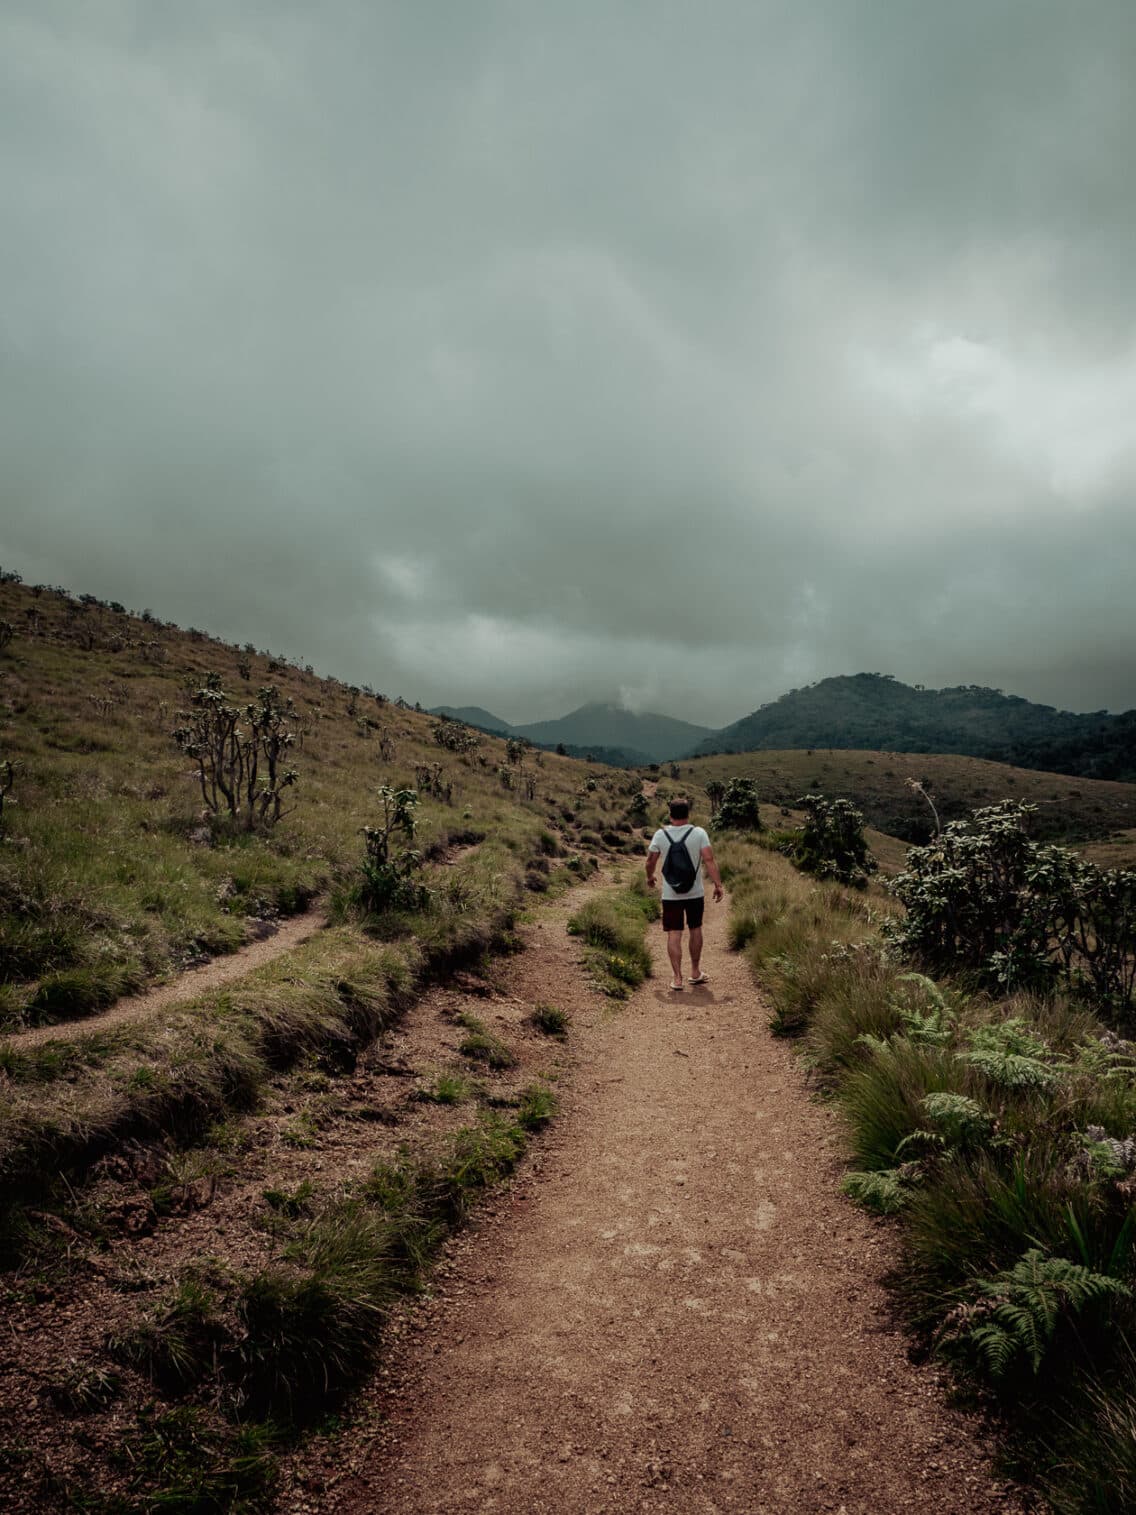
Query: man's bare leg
[674, 952]
[695, 951]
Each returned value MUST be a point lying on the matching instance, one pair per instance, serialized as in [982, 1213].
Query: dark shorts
[675, 910]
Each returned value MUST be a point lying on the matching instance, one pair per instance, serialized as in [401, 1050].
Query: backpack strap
[675, 840]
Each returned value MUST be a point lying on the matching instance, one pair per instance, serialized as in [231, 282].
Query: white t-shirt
[697, 839]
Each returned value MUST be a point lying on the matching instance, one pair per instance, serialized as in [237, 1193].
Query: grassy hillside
[1081, 810]
[113, 874]
[871, 710]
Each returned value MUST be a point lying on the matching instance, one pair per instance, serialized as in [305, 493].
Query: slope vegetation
[114, 872]
[1079, 810]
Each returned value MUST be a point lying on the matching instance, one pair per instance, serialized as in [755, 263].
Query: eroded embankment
[187, 986]
[179, 1283]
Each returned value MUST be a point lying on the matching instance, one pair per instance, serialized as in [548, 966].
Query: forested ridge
[874, 710]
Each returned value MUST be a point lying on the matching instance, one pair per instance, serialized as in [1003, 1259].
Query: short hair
[680, 810]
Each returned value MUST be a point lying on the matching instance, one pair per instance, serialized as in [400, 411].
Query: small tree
[715, 791]
[738, 808]
[240, 767]
[831, 843]
[431, 778]
[389, 862]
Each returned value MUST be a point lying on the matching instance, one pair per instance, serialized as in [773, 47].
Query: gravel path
[187, 986]
[672, 1309]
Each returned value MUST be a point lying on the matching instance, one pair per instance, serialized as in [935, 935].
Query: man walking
[686, 853]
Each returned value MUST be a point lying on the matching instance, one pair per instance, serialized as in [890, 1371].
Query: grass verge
[1001, 1135]
[613, 927]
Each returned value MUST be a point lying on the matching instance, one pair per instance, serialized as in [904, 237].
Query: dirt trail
[673, 1309]
[187, 986]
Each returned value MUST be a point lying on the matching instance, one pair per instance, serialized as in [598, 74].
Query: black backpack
[678, 869]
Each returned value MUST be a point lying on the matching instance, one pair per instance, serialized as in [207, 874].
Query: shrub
[738, 808]
[983, 897]
[240, 768]
[830, 843]
[388, 864]
[455, 735]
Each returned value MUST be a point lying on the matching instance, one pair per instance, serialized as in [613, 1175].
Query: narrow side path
[186, 986]
[680, 1313]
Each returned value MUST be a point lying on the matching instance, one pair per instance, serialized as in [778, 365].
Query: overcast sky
[526, 353]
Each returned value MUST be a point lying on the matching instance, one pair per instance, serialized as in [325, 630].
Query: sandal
[703, 978]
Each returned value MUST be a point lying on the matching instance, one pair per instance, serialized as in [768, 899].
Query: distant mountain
[652, 737]
[873, 710]
[474, 715]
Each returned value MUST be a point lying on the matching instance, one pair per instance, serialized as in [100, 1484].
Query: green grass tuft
[551, 1020]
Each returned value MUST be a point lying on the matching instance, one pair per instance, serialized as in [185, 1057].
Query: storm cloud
[521, 354]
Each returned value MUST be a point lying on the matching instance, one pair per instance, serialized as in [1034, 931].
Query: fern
[932, 1026]
[1104, 1156]
[955, 1121]
[883, 1192]
[877, 1044]
[922, 1143]
[1010, 1055]
[1018, 1311]
[960, 1120]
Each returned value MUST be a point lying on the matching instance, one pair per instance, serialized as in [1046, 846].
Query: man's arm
[712, 873]
[652, 864]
